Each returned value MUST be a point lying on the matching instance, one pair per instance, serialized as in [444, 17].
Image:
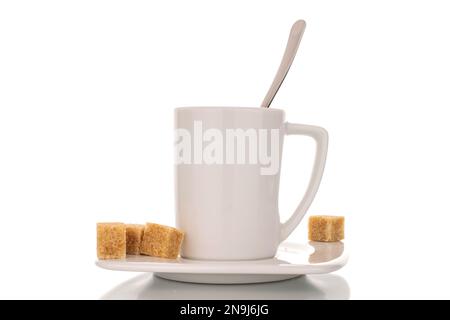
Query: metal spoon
[297, 30]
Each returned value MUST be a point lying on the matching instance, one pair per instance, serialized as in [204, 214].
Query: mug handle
[320, 135]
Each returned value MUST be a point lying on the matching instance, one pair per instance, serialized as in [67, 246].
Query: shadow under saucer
[149, 287]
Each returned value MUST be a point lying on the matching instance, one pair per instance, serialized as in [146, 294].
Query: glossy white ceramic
[229, 211]
[292, 260]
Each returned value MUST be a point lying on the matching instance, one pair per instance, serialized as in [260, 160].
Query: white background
[87, 91]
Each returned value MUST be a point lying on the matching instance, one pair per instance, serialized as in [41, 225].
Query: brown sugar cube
[134, 238]
[326, 228]
[161, 241]
[111, 240]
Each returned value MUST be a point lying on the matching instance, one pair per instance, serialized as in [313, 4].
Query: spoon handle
[295, 36]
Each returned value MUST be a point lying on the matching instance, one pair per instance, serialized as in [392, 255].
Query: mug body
[227, 175]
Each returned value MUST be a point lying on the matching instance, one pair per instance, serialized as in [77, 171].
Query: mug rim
[257, 109]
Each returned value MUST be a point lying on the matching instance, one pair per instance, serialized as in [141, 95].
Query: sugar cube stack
[111, 240]
[161, 241]
[134, 238]
[326, 228]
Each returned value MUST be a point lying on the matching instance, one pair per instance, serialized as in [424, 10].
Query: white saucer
[292, 260]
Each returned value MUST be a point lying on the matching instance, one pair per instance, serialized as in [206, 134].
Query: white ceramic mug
[227, 199]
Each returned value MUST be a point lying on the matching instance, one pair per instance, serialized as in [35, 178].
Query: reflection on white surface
[149, 287]
[325, 251]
